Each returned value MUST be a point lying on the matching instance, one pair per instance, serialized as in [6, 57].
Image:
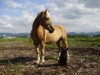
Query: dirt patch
[18, 59]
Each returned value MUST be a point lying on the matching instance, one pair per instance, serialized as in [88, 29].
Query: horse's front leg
[38, 54]
[42, 52]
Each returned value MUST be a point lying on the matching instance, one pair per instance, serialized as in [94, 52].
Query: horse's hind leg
[65, 45]
[59, 46]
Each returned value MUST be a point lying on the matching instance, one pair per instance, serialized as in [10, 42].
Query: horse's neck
[35, 27]
[35, 33]
[39, 32]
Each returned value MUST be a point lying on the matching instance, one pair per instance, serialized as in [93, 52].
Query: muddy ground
[18, 59]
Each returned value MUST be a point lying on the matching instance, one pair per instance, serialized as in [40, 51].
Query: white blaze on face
[48, 14]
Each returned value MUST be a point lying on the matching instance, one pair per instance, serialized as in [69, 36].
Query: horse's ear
[39, 13]
[42, 14]
[46, 10]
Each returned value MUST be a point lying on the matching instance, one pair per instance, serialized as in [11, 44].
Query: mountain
[15, 34]
[84, 33]
[28, 34]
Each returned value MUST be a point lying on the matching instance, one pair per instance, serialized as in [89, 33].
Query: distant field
[17, 57]
[76, 40]
[73, 40]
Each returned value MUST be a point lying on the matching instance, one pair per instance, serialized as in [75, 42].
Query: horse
[44, 32]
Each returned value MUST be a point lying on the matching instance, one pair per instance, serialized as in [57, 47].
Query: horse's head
[46, 21]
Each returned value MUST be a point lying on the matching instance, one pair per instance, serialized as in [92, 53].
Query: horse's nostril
[53, 29]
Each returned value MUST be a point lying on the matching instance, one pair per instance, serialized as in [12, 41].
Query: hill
[28, 34]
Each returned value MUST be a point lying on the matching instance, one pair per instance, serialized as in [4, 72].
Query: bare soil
[18, 59]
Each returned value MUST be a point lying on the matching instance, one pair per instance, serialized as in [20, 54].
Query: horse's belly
[51, 38]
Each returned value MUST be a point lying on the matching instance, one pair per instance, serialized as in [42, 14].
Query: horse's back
[63, 31]
[56, 35]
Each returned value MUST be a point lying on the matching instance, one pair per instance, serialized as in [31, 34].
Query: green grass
[52, 57]
[23, 40]
[73, 40]
[84, 41]
[14, 69]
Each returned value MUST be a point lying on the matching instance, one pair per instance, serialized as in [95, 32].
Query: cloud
[71, 9]
[5, 22]
[75, 15]
[27, 5]
[13, 4]
[91, 3]
[17, 24]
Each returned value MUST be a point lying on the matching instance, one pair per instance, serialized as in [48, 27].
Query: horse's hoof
[37, 62]
[42, 62]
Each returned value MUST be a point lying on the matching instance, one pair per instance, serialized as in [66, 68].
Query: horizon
[17, 16]
[66, 32]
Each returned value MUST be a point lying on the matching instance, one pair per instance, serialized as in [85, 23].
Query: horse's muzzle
[51, 30]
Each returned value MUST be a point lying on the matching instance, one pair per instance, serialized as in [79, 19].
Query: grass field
[17, 57]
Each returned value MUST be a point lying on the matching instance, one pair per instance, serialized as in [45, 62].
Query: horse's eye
[47, 18]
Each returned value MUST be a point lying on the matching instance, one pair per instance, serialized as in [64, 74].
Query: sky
[17, 16]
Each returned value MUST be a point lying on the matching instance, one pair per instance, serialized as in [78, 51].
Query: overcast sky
[17, 16]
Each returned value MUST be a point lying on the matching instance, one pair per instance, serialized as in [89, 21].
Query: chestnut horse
[44, 32]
